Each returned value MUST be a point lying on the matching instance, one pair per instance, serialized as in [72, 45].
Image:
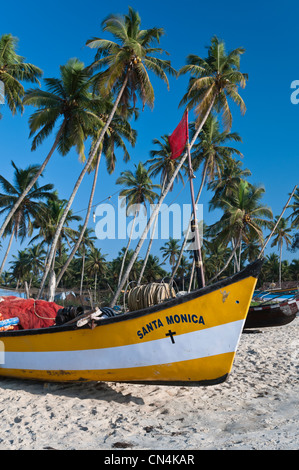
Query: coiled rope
[150, 294]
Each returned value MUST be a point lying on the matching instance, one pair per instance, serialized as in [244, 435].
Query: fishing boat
[273, 312]
[275, 294]
[189, 339]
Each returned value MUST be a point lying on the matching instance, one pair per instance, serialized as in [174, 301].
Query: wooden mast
[194, 223]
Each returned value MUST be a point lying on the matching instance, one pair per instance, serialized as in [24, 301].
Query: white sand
[256, 408]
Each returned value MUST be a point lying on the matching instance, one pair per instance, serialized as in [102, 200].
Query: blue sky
[51, 33]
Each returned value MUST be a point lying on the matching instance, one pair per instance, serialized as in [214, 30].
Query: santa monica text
[170, 320]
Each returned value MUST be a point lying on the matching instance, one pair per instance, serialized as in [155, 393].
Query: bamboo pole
[194, 227]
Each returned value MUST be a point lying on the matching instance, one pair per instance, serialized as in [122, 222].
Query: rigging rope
[150, 294]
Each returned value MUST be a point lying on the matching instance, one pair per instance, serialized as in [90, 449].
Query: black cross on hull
[171, 334]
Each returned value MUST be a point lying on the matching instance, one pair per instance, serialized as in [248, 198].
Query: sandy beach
[255, 409]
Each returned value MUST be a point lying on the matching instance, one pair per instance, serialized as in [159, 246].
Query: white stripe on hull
[201, 343]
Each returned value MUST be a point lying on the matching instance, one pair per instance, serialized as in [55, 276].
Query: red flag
[177, 140]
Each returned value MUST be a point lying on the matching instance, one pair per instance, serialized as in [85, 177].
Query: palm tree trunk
[82, 272]
[158, 205]
[87, 165]
[234, 245]
[47, 255]
[127, 248]
[27, 290]
[75, 249]
[7, 250]
[95, 287]
[52, 281]
[33, 181]
[189, 225]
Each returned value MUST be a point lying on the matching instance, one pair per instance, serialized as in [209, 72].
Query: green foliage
[162, 164]
[131, 55]
[216, 77]
[295, 210]
[13, 71]
[31, 207]
[170, 251]
[243, 215]
[69, 98]
[138, 187]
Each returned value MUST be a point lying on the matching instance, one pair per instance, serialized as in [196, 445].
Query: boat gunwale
[251, 270]
[276, 305]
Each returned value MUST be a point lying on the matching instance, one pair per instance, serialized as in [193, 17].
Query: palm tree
[295, 244]
[153, 270]
[282, 235]
[294, 269]
[184, 267]
[251, 250]
[212, 149]
[170, 251]
[115, 267]
[129, 59]
[295, 219]
[215, 257]
[295, 206]
[28, 264]
[212, 79]
[21, 225]
[118, 131]
[86, 243]
[224, 185]
[243, 218]
[13, 71]
[162, 164]
[67, 98]
[138, 191]
[47, 222]
[36, 260]
[20, 267]
[126, 75]
[72, 275]
[7, 279]
[95, 264]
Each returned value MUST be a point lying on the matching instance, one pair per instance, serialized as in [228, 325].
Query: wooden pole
[194, 227]
[158, 205]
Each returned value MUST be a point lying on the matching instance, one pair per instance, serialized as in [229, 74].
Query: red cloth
[29, 312]
[178, 139]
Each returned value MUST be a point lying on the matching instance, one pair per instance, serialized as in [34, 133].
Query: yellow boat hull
[193, 338]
